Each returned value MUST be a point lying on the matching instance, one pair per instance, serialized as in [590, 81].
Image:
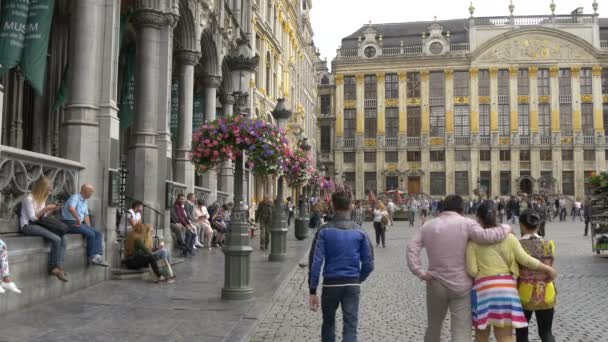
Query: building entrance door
[413, 185]
[525, 186]
[392, 183]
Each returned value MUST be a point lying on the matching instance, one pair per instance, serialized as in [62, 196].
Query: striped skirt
[495, 302]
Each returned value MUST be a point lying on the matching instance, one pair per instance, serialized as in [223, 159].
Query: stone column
[211, 85]
[513, 103]
[360, 105]
[380, 95]
[425, 164]
[474, 121]
[227, 174]
[1, 111]
[339, 111]
[402, 105]
[359, 134]
[555, 124]
[533, 101]
[495, 171]
[598, 119]
[577, 133]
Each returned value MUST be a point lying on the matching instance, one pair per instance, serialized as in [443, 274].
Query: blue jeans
[58, 243]
[348, 297]
[93, 236]
[513, 216]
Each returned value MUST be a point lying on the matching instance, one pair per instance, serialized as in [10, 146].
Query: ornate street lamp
[237, 280]
[301, 225]
[278, 233]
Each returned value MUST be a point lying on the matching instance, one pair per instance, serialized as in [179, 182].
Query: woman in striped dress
[494, 297]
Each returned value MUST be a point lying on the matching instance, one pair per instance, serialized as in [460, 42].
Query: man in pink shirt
[447, 283]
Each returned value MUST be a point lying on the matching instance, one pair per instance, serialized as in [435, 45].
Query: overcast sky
[333, 20]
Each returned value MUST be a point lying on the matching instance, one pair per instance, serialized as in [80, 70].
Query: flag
[62, 94]
[13, 26]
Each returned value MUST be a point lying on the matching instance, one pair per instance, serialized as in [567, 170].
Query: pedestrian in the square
[447, 284]
[536, 290]
[263, 216]
[381, 221]
[6, 284]
[290, 210]
[412, 209]
[344, 252]
[587, 214]
[541, 211]
[495, 270]
[358, 213]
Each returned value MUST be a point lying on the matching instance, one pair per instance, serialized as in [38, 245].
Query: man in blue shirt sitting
[75, 214]
[345, 252]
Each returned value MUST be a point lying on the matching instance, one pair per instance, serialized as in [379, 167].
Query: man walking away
[263, 216]
[562, 209]
[345, 252]
[447, 283]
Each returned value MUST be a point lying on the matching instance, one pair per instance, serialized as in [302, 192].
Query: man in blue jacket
[346, 252]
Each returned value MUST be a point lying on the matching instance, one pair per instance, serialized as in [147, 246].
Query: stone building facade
[491, 105]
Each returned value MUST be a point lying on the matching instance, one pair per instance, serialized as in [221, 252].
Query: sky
[333, 20]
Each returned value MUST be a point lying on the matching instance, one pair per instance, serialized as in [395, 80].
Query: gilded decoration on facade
[380, 77]
[523, 99]
[597, 71]
[513, 71]
[504, 140]
[554, 71]
[339, 79]
[360, 78]
[567, 140]
[461, 100]
[449, 73]
[413, 101]
[605, 99]
[391, 102]
[587, 98]
[532, 71]
[424, 75]
[544, 99]
[402, 76]
[437, 141]
[575, 71]
[534, 47]
[414, 166]
[473, 72]
[370, 142]
[493, 72]
[391, 167]
[350, 104]
[484, 100]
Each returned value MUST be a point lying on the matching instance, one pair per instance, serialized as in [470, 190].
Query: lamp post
[278, 232]
[237, 281]
[301, 226]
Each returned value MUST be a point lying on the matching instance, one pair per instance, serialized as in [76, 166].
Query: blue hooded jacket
[345, 252]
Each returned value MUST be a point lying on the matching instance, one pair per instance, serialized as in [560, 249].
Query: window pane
[413, 121]
[369, 157]
[544, 119]
[565, 119]
[391, 86]
[586, 81]
[413, 156]
[589, 155]
[523, 82]
[565, 85]
[524, 155]
[325, 138]
[605, 81]
[461, 121]
[350, 123]
[568, 182]
[567, 155]
[437, 183]
[350, 88]
[504, 120]
[437, 121]
[485, 155]
[437, 156]
[587, 118]
[371, 122]
[505, 155]
[523, 119]
[461, 182]
[461, 83]
[325, 104]
[413, 84]
[370, 182]
[546, 155]
[544, 82]
[391, 156]
[484, 82]
[484, 120]
[460, 155]
[349, 157]
[503, 82]
[392, 122]
[370, 87]
[505, 183]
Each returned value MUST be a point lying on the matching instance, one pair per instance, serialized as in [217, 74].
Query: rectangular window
[350, 123]
[544, 82]
[484, 120]
[485, 155]
[437, 121]
[461, 83]
[504, 120]
[523, 82]
[461, 183]
[349, 157]
[437, 85]
[483, 77]
[392, 123]
[544, 119]
[485, 182]
[437, 156]
[523, 119]
[505, 155]
[605, 81]
[589, 155]
[568, 155]
[565, 119]
[461, 121]
[413, 121]
[371, 123]
[350, 181]
[586, 80]
[391, 156]
[565, 86]
[325, 104]
[587, 118]
[462, 155]
[437, 103]
[370, 182]
[546, 155]
[524, 155]
[369, 157]
[413, 84]
[568, 183]
[350, 88]
[370, 87]
[437, 183]
[505, 182]
[391, 84]
[413, 156]
[503, 82]
[325, 138]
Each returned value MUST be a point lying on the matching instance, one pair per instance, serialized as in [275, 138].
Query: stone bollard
[301, 228]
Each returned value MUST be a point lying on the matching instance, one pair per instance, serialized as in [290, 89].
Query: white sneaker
[10, 287]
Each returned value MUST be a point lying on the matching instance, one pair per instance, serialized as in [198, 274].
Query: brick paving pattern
[393, 301]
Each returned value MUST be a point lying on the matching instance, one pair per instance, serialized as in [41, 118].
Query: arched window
[325, 80]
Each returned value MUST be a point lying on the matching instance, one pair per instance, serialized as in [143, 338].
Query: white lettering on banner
[23, 28]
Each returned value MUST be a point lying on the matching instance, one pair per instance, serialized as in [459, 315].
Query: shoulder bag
[53, 224]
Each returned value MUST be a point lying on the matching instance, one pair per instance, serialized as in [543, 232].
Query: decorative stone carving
[358, 141]
[187, 57]
[514, 138]
[534, 47]
[212, 81]
[599, 138]
[494, 139]
[424, 140]
[402, 140]
[535, 139]
[228, 100]
[556, 138]
[578, 138]
[380, 141]
[339, 143]
[450, 141]
[475, 139]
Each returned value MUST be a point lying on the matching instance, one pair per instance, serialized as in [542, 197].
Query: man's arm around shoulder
[487, 236]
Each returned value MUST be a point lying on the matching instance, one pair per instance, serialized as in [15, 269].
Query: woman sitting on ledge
[139, 254]
[7, 283]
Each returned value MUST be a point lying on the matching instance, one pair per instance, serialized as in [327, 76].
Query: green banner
[174, 110]
[62, 94]
[13, 28]
[35, 47]
[198, 115]
[126, 109]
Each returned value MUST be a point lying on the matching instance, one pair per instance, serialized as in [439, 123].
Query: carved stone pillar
[211, 85]
[183, 171]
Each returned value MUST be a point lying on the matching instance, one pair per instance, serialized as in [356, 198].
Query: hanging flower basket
[227, 138]
[297, 168]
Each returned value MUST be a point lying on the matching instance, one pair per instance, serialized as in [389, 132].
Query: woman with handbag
[381, 220]
[33, 210]
[139, 254]
[5, 278]
[495, 269]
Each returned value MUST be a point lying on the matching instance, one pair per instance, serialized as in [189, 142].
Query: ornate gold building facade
[490, 104]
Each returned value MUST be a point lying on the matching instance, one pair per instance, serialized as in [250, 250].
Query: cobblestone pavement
[393, 301]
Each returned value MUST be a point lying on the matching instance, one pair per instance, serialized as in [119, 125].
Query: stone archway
[526, 184]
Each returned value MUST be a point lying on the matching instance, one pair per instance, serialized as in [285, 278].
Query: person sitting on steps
[6, 284]
[139, 253]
